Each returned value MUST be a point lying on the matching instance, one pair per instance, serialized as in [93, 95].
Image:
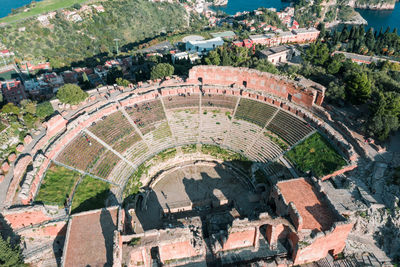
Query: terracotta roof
[90, 238]
[315, 212]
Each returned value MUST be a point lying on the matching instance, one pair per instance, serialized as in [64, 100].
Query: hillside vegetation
[36, 8]
[63, 42]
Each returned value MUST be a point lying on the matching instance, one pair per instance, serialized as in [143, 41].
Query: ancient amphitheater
[216, 186]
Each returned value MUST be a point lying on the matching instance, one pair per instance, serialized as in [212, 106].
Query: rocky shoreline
[373, 6]
[220, 2]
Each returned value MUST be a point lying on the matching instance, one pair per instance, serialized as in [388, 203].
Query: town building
[204, 45]
[13, 91]
[273, 39]
[279, 54]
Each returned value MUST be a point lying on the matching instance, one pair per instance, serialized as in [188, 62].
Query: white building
[204, 45]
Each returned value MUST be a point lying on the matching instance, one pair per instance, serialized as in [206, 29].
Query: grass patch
[40, 8]
[2, 126]
[57, 183]
[90, 194]
[134, 241]
[226, 155]
[315, 154]
[134, 184]
[188, 149]
[166, 154]
[282, 144]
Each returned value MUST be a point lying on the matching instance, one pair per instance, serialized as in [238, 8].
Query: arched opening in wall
[200, 79]
[280, 59]
[289, 97]
[245, 84]
[263, 231]
[331, 252]
[155, 254]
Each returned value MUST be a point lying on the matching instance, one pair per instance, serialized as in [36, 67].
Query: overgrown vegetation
[21, 119]
[90, 194]
[36, 8]
[188, 149]
[134, 241]
[377, 85]
[57, 185]
[282, 144]
[134, 184]
[66, 42]
[10, 255]
[226, 155]
[315, 154]
[71, 94]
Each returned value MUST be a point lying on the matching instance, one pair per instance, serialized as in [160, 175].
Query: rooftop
[90, 238]
[309, 203]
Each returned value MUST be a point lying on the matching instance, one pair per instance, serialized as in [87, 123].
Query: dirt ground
[193, 184]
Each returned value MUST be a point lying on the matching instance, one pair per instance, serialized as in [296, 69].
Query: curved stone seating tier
[184, 124]
[215, 123]
[81, 153]
[221, 101]
[136, 152]
[277, 169]
[242, 135]
[289, 127]
[161, 137]
[121, 172]
[145, 114]
[122, 145]
[182, 101]
[254, 111]
[264, 149]
[115, 130]
[105, 164]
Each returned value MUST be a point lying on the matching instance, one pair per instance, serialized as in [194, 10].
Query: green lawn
[57, 183]
[317, 155]
[90, 194]
[40, 8]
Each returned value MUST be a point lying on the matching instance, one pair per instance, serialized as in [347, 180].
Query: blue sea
[376, 19]
[382, 18]
[7, 5]
[235, 6]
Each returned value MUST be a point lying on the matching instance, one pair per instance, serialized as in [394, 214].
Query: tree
[44, 109]
[266, 66]
[335, 92]
[358, 87]
[335, 64]
[161, 71]
[370, 39]
[317, 53]
[28, 106]
[71, 94]
[213, 58]
[10, 256]
[10, 108]
[122, 82]
[113, 74]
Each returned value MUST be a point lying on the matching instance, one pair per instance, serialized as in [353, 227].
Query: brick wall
[333, 241]
[179, 250]
[262, 81]
[240, 239]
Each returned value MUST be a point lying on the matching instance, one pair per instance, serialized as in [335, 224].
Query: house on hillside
[204, 45]
[13, 91]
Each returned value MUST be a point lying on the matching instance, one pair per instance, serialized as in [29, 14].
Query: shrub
[71, 94]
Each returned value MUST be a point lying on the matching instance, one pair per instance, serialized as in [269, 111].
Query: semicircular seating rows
[115, 145]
